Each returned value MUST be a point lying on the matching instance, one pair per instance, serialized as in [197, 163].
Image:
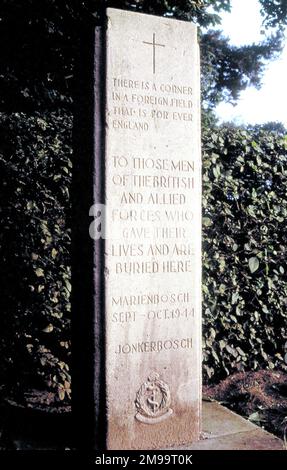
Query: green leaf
[61, 394]
[39, 272]
[253, 264]
[254, 418]
[48, 328]
[216, 171]
[235, 297]
[231, 351]
[206, 221]
[68, 285]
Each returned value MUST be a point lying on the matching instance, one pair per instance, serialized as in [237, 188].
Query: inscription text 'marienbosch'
[151, 298]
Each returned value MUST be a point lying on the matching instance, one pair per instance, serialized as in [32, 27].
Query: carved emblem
[153, 400]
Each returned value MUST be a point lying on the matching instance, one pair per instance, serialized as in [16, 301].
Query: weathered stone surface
[219, 421]
[225, 430]
[251, 440]
[153, 232]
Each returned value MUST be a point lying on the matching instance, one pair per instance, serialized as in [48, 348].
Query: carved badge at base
[153, 400]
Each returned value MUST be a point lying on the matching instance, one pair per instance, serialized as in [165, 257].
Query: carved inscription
[153, 193]
[138, 104]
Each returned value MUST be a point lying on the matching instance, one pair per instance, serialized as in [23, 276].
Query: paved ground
[224, 430]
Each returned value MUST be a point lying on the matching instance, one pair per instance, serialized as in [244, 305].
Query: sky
[270, 102]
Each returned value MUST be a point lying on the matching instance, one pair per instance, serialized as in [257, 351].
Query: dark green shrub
[244, 250]
[35, 161]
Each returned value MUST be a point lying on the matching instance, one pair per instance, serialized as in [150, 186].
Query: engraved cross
[153, 44]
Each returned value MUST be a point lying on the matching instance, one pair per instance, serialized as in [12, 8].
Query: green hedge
[35, 164]
[244, 250]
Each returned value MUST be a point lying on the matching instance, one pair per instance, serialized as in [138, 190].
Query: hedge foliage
[244, 250]
[35, 233]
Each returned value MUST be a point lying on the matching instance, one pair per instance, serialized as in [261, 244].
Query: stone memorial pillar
[147, 271]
